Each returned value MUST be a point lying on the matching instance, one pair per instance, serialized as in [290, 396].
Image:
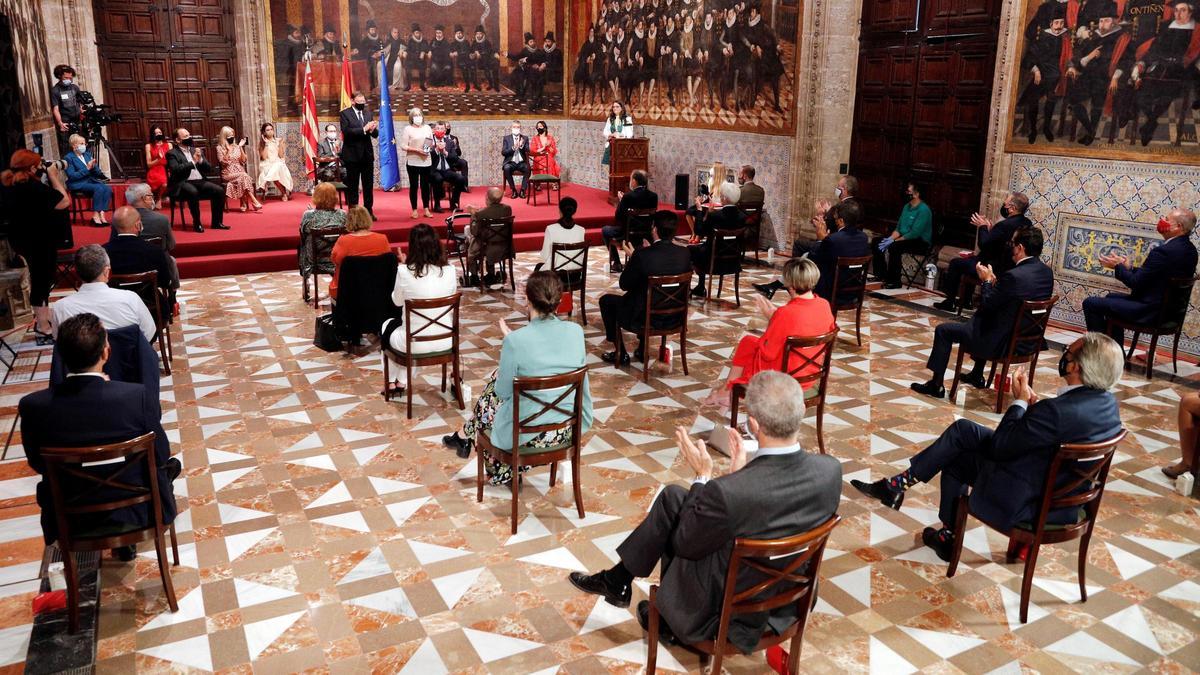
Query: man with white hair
[1006, 468]
[1175, 257]
[781, 492]
[728, 217]
[116, 308]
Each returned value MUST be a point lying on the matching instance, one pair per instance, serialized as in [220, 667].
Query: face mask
[360, 106]
[838, 191]
[516, 131]
[439, 134]
[187, 142]
[1062, 364]
[1164, 227]
[66, 80]
[331, 135]
[159, 137]
[908, 194]
[229, 138]
[1004, 212]
[541, 130]
[418, 120]
[80, 149]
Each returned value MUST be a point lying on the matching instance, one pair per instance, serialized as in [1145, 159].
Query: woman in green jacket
[913, 234]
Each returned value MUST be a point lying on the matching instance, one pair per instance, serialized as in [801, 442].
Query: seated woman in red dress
[804, 315]
[542, 152]
[156, 163]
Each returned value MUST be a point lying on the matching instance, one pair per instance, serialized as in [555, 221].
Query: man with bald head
[129, 254]
[496, 250]
[1175, 257]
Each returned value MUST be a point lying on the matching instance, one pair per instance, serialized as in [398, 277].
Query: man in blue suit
[1175, 257]
[99, 411]
[987, 334]
[846, 241]
[993, 247]
[1006, 468]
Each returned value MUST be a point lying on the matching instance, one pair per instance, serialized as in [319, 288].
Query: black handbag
[325, 335]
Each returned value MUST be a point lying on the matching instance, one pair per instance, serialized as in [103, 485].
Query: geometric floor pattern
[325, 532]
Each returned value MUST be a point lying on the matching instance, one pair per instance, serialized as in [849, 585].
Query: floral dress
[482, 419]
[233, 171]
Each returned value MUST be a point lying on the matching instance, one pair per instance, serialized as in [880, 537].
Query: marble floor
[325, 532]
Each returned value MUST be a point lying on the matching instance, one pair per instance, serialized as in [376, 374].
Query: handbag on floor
[325, 334]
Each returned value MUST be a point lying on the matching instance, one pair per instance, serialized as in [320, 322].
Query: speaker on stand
[681, 191]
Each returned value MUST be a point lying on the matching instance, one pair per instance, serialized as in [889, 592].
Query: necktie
[360, 117]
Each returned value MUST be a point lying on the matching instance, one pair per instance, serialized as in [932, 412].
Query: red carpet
[267, 241]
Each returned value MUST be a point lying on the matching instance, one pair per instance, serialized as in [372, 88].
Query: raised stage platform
[267, 241]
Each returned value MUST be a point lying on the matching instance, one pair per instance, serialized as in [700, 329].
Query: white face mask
[516, 131]
[418, 120]
[81, 149]
[838, 192]
[331, 135]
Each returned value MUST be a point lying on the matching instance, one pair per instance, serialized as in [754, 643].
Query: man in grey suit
[752, 193]
[154, 224]
[781, 492]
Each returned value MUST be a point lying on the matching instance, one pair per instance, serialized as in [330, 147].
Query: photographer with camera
[37, 214]
[64, 103]
[186, 168]
[84, 175]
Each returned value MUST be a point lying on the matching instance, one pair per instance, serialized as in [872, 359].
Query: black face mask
[541, 130]
[1004, 211]
[229, 138]
[1062, 364]
[159, 137]
[360, 106]
[187, 142]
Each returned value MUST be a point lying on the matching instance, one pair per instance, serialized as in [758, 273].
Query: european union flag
[389, 166]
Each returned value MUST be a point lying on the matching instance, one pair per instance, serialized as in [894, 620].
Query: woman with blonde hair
[358, 240]
[416, 140]
[804, 315]
[271, 167]
[231, 156]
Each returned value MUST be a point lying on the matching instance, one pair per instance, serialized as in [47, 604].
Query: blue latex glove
[885, 243]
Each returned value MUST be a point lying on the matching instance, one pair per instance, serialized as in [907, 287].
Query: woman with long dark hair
[425, 274]
[156, 163]
[618, 125]
[271, 167]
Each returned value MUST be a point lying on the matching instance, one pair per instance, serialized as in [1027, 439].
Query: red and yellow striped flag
[309, 126]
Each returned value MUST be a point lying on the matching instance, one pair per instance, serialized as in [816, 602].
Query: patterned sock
[902, 481]
[618, 576]
[945, 534]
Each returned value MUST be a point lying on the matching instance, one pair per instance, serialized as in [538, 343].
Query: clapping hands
[1110, 261]
[695, 453]
[1021, 390]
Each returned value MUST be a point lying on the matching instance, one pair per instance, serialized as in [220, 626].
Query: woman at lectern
[618, 125]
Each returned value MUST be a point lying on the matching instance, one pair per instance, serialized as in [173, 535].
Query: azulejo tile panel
[1086, 207]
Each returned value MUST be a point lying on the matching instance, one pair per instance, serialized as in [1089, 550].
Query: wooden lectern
[626, 156]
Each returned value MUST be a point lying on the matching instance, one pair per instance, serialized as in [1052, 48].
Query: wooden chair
[753, 214]
[320, 249]
[932, 252]
[725, 258]
[638, 223]
[562, 394]
[439, 318]
[572, 255]
[145, 284]
[1025, 345]
[80, 202]
[783, 582]
[815, 383]
[850, 281]
[667, 301]
[540, 182]
[1172, 311]
[493, 230]
[74, 492]
[156, 241]
[456, 242]
[1074, 480]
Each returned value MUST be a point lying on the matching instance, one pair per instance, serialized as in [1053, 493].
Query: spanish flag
[347, 76]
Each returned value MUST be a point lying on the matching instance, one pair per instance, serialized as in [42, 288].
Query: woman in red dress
[804, 315]
[156, 163]
[542, 151]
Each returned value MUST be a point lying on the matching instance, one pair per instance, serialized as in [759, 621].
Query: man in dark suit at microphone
[358, 154]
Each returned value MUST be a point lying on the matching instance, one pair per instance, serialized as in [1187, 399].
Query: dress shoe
[940, 541]
[373, 216]
[698, 292]
[597, 584]
[124, 553]
[514, 195]
[891, 285]
[199, 229]
[665, 636]
[221, 226]
[461, 446]
[931, 388]
[974, 380]
[767, 290]
[880, 490]
[947, 305]
[611, 357]
[615, 268]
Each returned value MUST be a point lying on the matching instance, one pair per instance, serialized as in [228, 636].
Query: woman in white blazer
[425, 274]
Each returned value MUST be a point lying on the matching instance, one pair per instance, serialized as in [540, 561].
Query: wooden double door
[170, 63]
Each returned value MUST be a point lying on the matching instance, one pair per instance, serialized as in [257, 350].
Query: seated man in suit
[129, 254]
[496, 251]
[988, 332]
[186, 169]
[100, 412]
[516, 158]
[782, 492]
[1006, 468]
[661, 258]
[329, 160]
[752, 193]
[638, 197]
[846, 241]
[445, 169]
[116, 307]
[1175, 257]
[463, 165]
[728, 217]
[993, 247]
[154, 224]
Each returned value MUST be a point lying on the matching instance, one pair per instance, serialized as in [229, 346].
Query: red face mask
[439, 133]
[1164, 227]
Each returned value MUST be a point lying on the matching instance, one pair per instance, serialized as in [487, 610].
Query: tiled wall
[1085, 206]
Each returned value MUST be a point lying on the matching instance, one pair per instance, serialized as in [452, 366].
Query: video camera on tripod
[93, 117]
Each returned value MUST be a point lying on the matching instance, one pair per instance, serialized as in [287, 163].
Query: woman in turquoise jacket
[545, 346]
[913, 234]
[84, 175]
